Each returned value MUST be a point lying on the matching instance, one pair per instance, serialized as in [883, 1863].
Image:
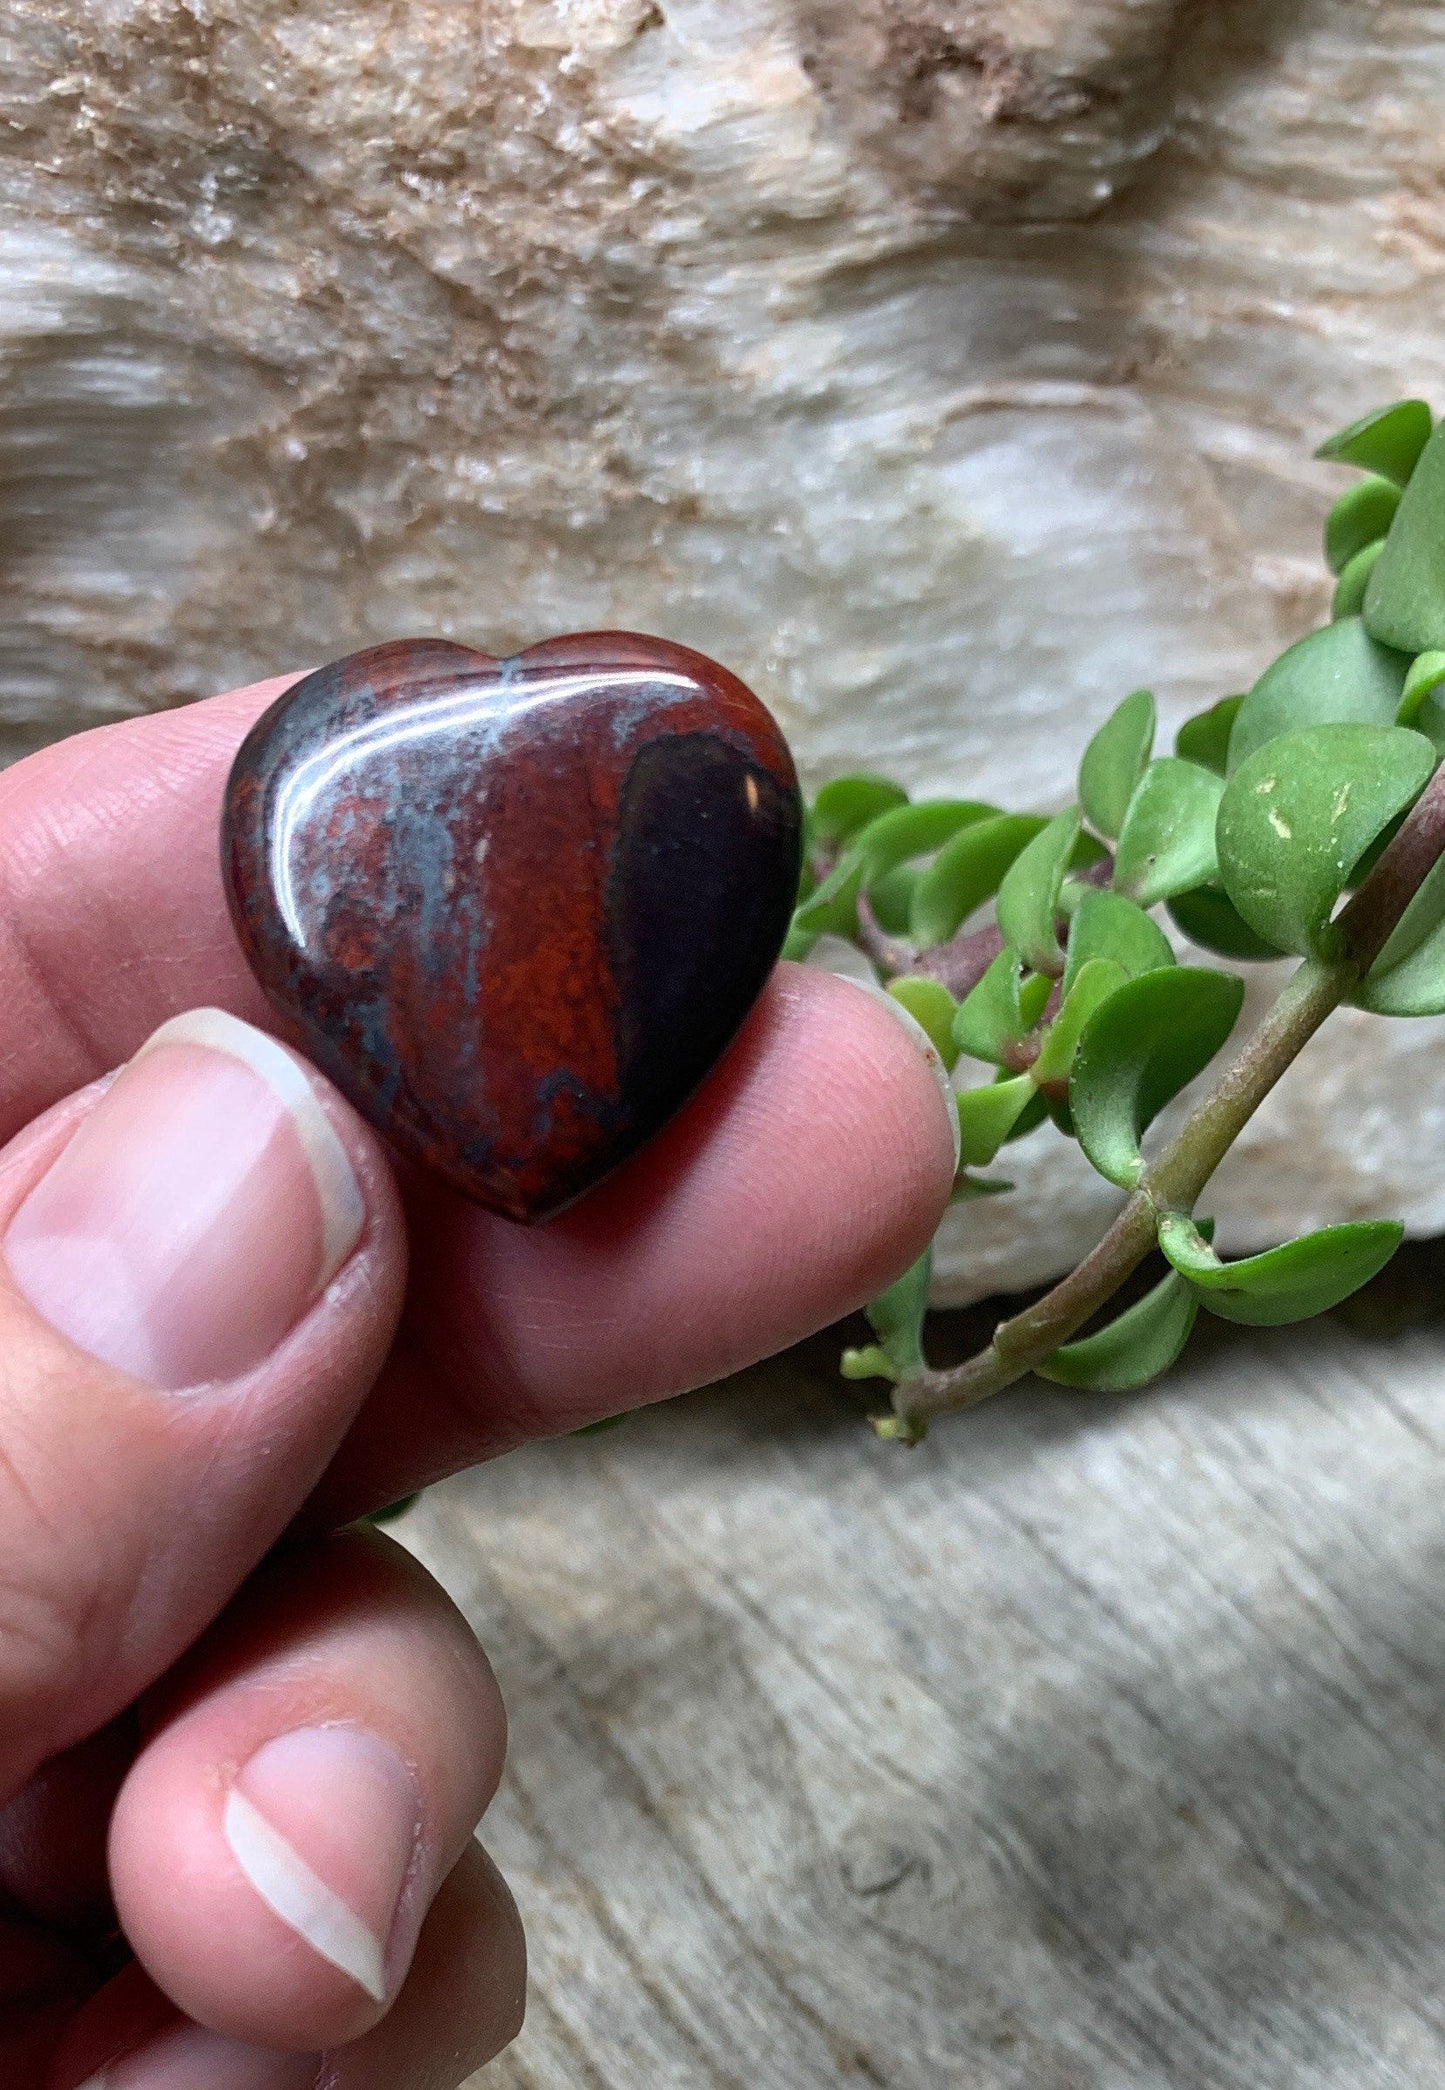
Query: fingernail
[928, 1051]
[324, 1822]
[188, 2058]
[196, 1214]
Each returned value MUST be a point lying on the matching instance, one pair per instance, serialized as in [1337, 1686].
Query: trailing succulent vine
[1305, 818]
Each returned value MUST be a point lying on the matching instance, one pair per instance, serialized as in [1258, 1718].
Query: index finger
[112, 917]
[810, 1168]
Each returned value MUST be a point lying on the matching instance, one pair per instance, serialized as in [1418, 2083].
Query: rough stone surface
[947, 369]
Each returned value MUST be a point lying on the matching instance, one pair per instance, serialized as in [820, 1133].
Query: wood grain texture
[1099, 1743]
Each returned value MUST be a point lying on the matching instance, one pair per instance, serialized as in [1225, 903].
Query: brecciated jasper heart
[514, 908]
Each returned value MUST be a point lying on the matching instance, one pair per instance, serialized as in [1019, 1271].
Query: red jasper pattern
[515, 909]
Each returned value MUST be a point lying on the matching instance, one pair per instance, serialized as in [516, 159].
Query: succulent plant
[1304, 818]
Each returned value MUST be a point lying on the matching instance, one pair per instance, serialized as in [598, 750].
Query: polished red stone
[515, 909]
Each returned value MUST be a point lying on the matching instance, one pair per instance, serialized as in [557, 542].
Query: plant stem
[961, 962]
[1171, 1183]
[1371, 916]
[890, 954]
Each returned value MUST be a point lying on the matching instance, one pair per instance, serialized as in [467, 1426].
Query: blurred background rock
[947, 369]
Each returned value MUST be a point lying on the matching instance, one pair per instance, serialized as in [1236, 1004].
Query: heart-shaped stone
[514, 908]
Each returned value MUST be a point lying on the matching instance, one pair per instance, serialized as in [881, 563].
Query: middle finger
[314, 1772]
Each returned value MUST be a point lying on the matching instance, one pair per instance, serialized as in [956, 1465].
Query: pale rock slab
[948, 369]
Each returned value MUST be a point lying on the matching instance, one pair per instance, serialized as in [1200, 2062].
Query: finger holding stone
[316, 1771]
[112, 916]
[809, 1171]
[201, 1260]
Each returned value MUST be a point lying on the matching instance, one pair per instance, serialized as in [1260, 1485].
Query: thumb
[201, 1264]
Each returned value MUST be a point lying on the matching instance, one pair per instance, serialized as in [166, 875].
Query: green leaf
[1114, 761]
[966, 872]
[1210, 918]
[1388, 441]
[807, 880]
[988, 1115]
[1088, 850]
[397, 1509]
[1408, 977]
[1298, 816]
[870, 1362]
[1106, 925]
[1205, 737]
[1414, 987]
[1167, 844]
[1335, 676]
[1001, 1010]
[1360, 515]
[916, 830]
[851, 802]
[1291, 1283]
[1427, 672]
[798, 942]
[1405, 601]
[1031, 1116]
[1147, 1042]
[1349, 595]
[1430, 719]
[892, 839]
[896, 1315]
[966, 1187]
[931, 1006]
[1094, 982]
[896, 1318]
[1028, 898]
[833, 909]
[891, 898]
[1141, 1344]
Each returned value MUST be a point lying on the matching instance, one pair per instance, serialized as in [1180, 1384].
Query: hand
[240, 1778]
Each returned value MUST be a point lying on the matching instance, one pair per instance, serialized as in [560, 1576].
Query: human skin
[253, 1742]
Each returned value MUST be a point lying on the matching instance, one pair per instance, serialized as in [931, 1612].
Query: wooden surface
[1098, 1743]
